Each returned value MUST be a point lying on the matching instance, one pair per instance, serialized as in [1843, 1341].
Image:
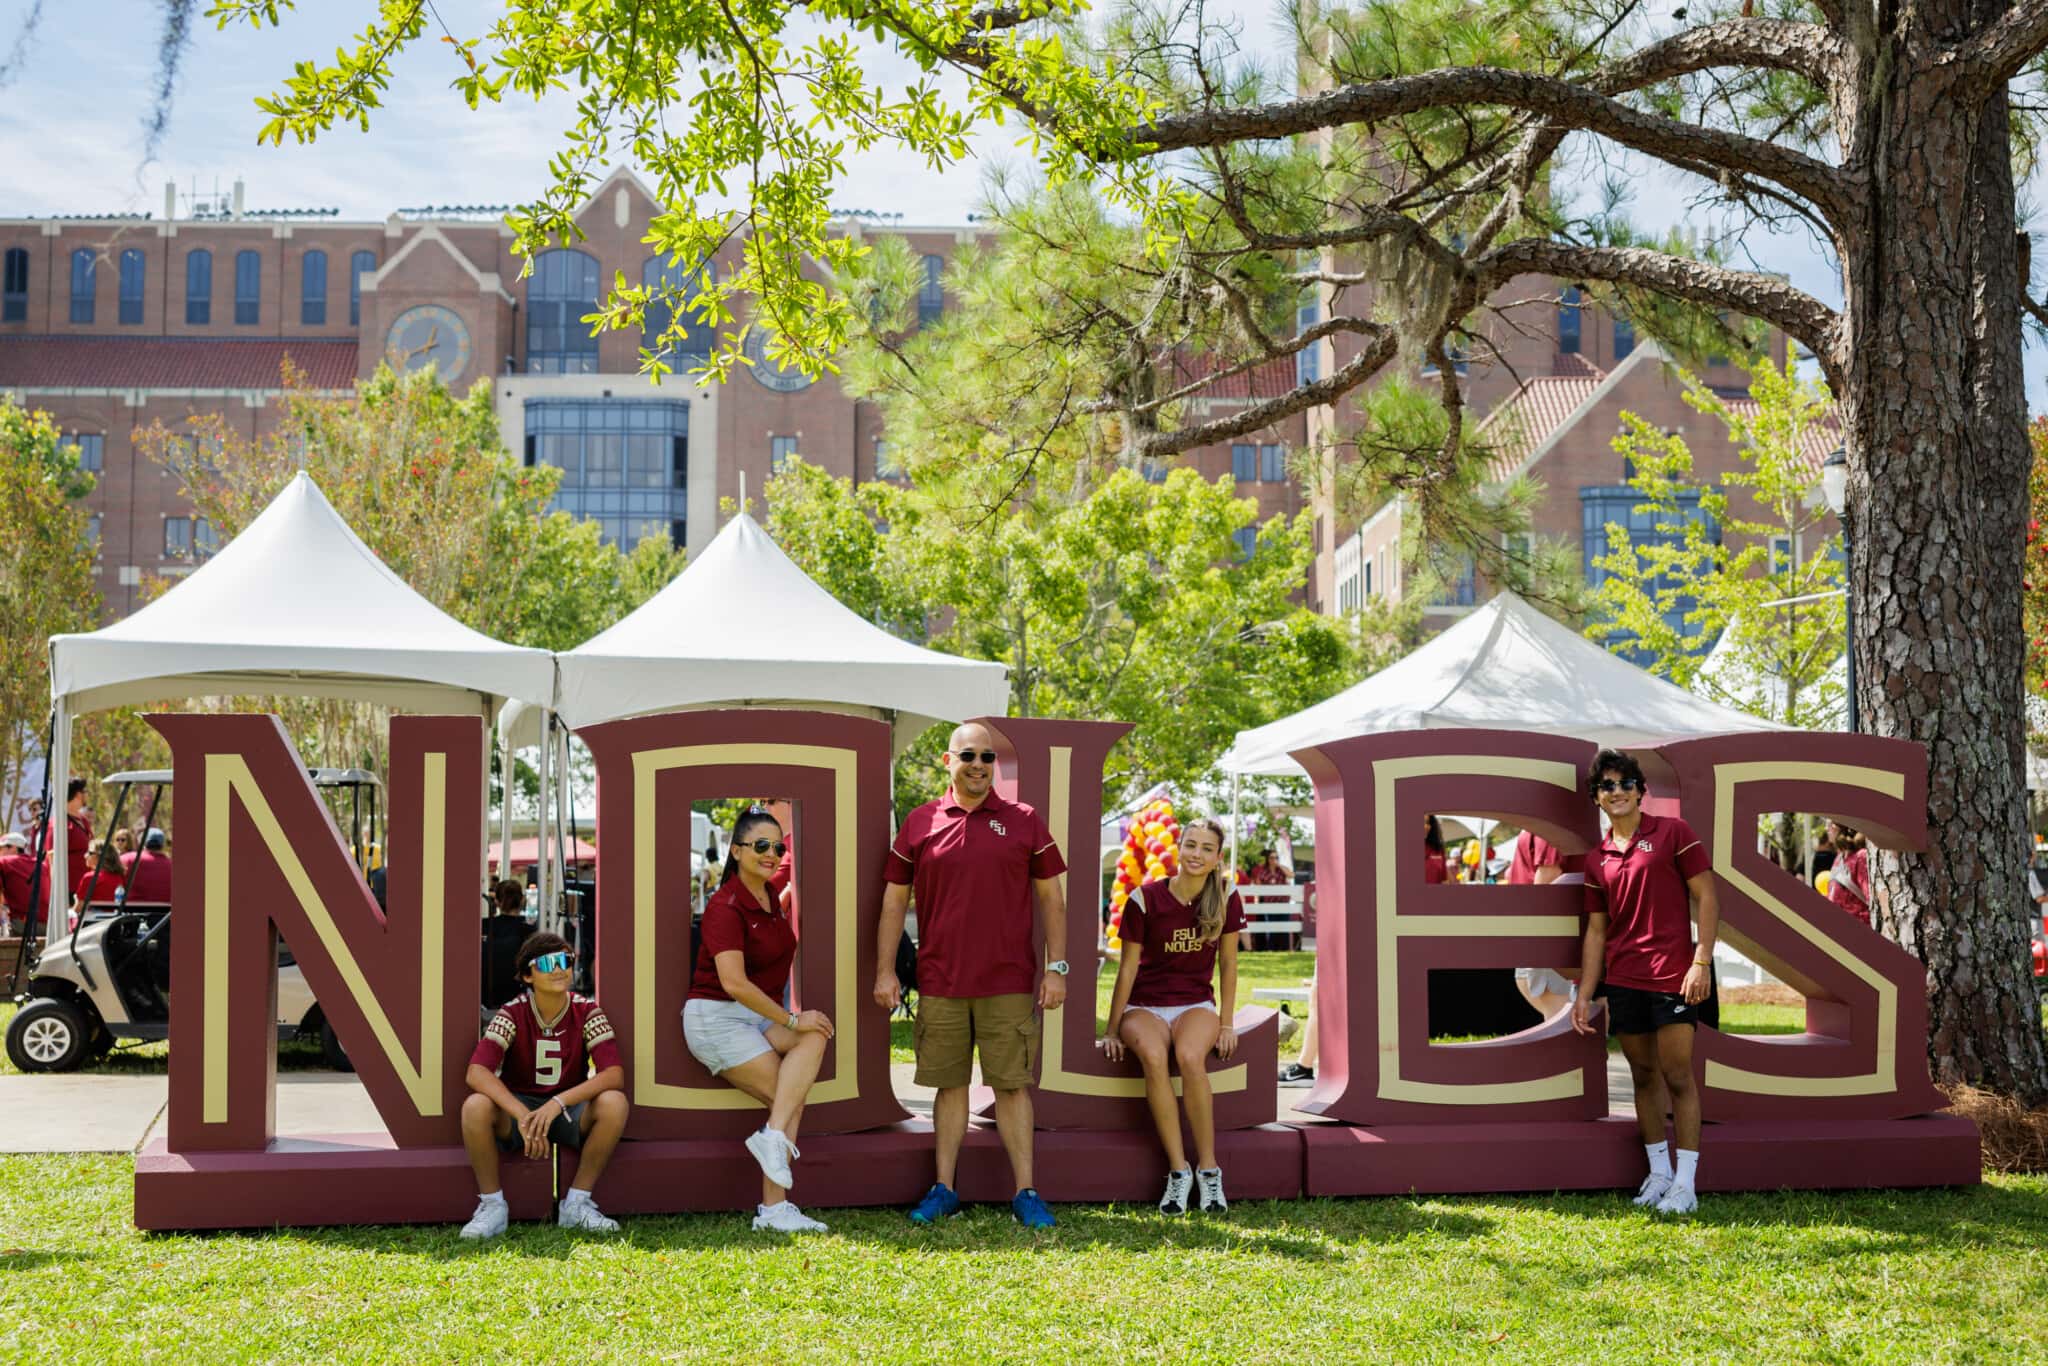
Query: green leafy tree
[46, 582]
[1765, 584]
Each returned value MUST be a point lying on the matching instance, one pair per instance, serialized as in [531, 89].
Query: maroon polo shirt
[15, 872]
[78, 834]
[1436, 866]
[1175, 965]
[970, 873]
[1641, 888]
[1532, 851]
[152, 876]
[100, 884]
[733, 919]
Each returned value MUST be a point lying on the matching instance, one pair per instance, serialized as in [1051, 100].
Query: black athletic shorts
[1631, 1010]
[564, 1130]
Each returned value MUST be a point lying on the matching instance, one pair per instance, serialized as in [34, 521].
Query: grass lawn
[1913, 1276]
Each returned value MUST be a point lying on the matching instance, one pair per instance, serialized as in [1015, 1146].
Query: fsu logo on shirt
[997, 826]
[1645, 847]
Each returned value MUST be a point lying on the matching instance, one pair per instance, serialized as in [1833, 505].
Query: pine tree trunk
[1935, 420]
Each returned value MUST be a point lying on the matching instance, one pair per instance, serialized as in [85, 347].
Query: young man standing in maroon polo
[1641, 957]
[976, 864]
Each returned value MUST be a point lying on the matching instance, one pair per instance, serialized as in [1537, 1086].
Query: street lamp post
[1834, 483]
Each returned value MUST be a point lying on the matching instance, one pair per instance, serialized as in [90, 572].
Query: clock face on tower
[782, 379]
[428, 335]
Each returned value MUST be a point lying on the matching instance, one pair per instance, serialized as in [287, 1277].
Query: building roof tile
[1533, 413]
[173, 362]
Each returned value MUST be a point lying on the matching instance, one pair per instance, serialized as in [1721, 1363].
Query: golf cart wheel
[331, 1049]
[49, 1035]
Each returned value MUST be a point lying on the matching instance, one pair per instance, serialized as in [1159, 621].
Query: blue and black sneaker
[1030, 1210]
[939, 1203]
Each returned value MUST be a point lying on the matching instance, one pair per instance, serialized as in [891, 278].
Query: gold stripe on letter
[229, 774]
[1883, 1079]
[1391, 927]
[841, 763]
[1052, 1045]
[215, 988]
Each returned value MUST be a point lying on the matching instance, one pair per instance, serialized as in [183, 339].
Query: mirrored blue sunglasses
[557, 961]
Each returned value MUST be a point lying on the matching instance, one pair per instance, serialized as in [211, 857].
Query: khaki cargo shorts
[949, 1029]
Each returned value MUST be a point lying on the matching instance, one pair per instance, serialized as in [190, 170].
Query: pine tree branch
[1751, 293]
[1363, 367]
[1993, 56]
[1567, 104]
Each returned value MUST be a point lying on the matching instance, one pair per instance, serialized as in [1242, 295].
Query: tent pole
[57, 853]
[505, 769]
[540, 830]
[1236, 790]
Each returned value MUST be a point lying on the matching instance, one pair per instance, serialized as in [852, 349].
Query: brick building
[115, 323]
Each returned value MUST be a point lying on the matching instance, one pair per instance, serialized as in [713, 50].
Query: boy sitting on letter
[528, 1073]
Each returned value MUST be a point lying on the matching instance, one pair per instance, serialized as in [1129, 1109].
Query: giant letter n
[258, 854]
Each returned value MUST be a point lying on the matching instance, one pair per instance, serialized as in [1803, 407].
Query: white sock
[575, 1195]
[1688, 1164]
[495, 1198]
[1660, 1157]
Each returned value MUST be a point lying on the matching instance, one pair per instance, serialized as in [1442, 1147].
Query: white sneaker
[1653, 1188]
[584, 1214]
[490, 1219]
[1678, 1200]
[1178, 1184]
[1209, 1180]
[772, 1149]
[783, 1217]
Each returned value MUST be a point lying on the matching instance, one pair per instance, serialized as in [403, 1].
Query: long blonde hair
[1214, 898]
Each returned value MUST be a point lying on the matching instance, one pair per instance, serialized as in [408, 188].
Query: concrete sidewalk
[97, 1113]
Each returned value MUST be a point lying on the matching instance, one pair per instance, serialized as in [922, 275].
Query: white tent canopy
[1506, 666]
[295, 604]
[743, 625]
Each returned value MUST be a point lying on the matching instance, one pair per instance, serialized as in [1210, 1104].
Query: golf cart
[108, 977]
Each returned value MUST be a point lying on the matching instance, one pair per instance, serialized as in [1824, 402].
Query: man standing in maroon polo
[1642, 959]
[976, 864]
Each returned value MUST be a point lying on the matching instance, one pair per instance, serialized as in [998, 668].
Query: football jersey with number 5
[539, 1061]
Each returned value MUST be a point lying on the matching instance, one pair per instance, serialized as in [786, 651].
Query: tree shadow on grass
[1299, 1230]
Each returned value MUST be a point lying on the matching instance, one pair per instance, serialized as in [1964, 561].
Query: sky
[72, 123]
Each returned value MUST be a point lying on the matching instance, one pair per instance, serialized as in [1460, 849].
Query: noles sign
[1847, 1103]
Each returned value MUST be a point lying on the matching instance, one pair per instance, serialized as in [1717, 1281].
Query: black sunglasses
[762, 846]
[968, 756]
[1620, 785]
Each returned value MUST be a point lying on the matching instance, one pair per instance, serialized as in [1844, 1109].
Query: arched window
[559, 294]
[698, 337]
[313, 288]
[14, 296]
[931, 299]
[248, 288]
[83, 271]
[199, 286]
[133, 270]
[359, 264]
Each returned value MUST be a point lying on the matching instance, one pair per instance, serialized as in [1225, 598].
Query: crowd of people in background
[127, 867]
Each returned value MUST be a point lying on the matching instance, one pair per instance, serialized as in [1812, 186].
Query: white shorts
[1172, 1013]
[1544, 982]
[724, 1034]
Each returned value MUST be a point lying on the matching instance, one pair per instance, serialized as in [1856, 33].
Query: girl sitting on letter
[734, 1021]
[1174, 932]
